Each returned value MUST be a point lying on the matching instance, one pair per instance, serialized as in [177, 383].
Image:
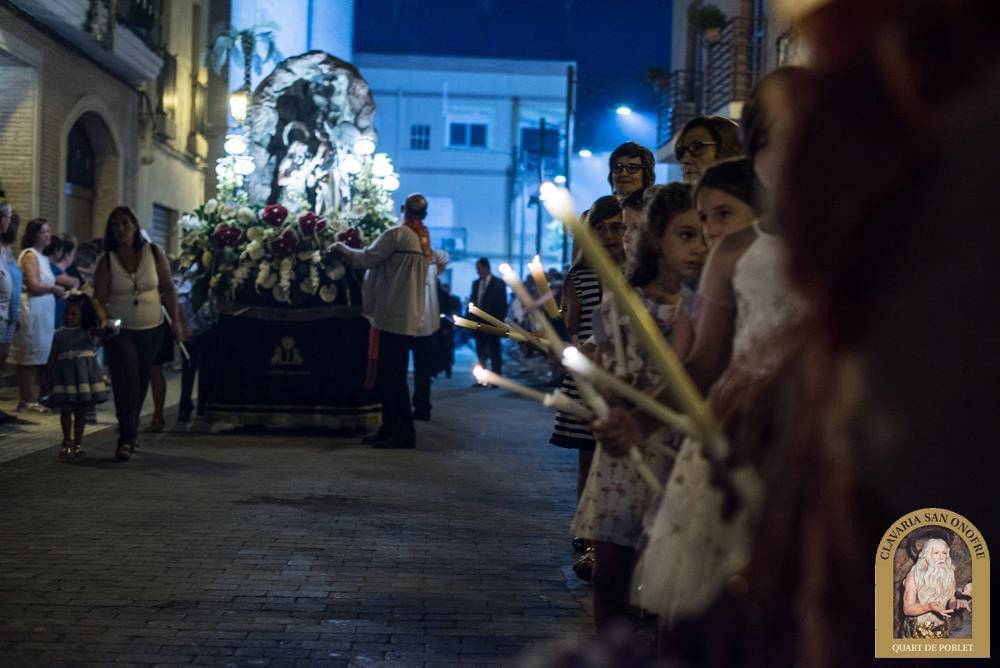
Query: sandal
[66, 450]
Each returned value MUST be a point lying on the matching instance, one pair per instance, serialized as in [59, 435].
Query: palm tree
[228, 42]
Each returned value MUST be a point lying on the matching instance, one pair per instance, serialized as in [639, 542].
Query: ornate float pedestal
[289, 368]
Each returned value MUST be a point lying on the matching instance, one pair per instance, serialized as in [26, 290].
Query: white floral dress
[690, 552]
[616, 498]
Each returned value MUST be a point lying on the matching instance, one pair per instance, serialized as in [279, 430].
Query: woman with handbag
[131, 279]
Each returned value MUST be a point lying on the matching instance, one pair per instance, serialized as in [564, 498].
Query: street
[282, 548]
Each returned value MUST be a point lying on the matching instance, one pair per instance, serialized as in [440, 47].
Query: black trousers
[488, 347]
[423, 368]
[393, 390]
[130, 359]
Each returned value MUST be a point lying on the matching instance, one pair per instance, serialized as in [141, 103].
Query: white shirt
[395, 288]
[431, 321]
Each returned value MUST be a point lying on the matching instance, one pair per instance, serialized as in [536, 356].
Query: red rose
[286, 244]
[311, 224]
[351, 237]
[226, 235]
[274, 214]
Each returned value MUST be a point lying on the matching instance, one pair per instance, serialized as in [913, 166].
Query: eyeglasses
[695, 148]
[630, 167]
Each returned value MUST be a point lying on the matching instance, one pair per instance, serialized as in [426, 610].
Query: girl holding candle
[700, 534]
[581, 295]
[670, 251]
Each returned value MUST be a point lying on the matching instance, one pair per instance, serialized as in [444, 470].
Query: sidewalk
[41, 432]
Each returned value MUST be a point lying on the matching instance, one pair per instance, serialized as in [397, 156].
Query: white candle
[575, 360]
[542, 285]
[486, 329]
[497, 322]
[542, 322]
[559, 401]
[647, 473]
[616, 334]
[485, 376]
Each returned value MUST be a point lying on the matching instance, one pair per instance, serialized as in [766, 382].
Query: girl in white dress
[33, 341]
[700, 536]
[671, 249]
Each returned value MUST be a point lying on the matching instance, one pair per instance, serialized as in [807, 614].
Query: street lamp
[585, 153]
[238, 103]
[624, 110]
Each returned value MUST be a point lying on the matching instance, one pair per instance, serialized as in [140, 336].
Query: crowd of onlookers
[79, 318]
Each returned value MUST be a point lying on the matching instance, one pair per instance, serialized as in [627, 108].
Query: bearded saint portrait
[930, 597]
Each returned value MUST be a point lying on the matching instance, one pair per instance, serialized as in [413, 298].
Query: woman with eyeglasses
[130, 280]
[630, 168]
[704, 141]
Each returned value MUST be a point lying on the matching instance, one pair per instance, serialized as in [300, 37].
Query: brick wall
[66, 79]
[18, 106]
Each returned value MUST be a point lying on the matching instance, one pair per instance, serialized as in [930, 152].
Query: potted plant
[706, 18]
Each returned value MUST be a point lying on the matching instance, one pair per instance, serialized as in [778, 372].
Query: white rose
[255, 233]
[287, 265]
[336, 271]
[211, 206]
[257, 253]
[304, 255]
[206, 259]
[316, 258]
[307, 287]
[226, 212]
[328, 293]
[245, 215]
[281, 295]
[269, 282]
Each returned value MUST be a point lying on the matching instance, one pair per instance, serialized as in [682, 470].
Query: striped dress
[569, 431]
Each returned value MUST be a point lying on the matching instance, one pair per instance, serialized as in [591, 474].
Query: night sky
[612, 41]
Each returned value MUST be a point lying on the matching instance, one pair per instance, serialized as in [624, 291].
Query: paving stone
[279, 548]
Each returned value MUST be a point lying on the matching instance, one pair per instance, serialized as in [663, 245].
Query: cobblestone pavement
[283, 549]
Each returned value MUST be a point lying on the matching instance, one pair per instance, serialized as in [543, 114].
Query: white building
[465, 132]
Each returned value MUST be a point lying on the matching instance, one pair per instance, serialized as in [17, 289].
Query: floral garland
[253, 254]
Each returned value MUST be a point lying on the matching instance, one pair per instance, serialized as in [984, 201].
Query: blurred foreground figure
[890, 400]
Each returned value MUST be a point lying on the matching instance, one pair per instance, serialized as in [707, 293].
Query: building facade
[104, 104]
[714, 63]
[475, 136]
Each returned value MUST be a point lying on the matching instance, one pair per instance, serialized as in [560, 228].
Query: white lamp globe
[235, 144]
[364, 146]
[391, 183]
[244, 165]
[350, 165]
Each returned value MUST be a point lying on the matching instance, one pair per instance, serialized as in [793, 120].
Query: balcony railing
[733, 63]
[142, 17]
[678, 105]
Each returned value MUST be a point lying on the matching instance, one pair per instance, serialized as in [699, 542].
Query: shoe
[423, 416]
[122, 453]
[21, 406]
[579, 545]
[584, 566]
[77, 451]
[39, 408]
[393, 444]
[377, 437]
[66, 451]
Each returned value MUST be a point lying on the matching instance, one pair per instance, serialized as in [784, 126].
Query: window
[163, 226]
[420, 137]
[467, 135]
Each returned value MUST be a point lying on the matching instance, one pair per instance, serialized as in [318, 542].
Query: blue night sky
[612, 41]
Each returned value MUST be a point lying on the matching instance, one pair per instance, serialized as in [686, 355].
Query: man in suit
[490, 294]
